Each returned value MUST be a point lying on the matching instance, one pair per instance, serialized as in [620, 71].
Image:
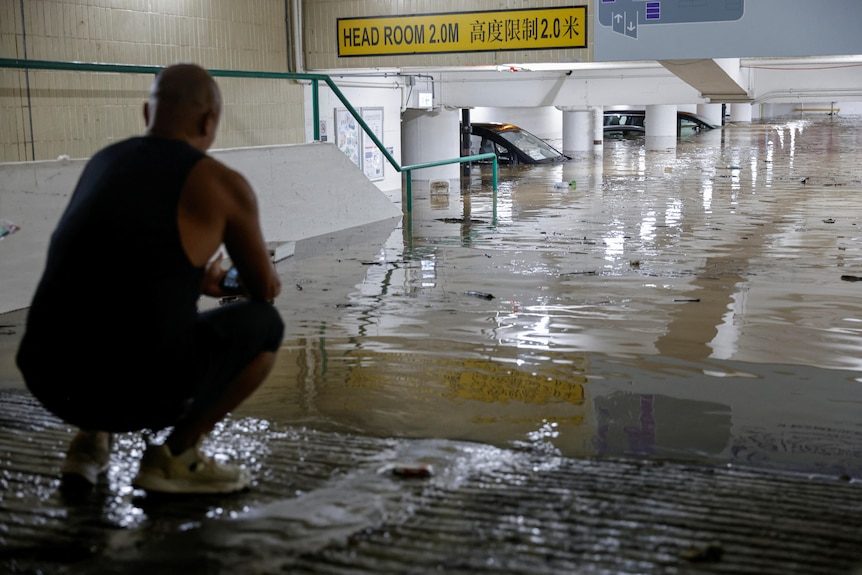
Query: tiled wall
[46, 114]
[321, 43]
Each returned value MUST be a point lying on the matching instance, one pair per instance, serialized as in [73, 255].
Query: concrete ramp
[308, 190]
[304, 191]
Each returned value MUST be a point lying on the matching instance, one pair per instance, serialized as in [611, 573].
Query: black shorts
[145, 388]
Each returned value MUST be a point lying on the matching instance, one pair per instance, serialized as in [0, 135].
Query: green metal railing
[315, 80]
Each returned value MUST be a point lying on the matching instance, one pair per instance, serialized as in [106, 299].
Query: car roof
[495, 126]
[697, 117]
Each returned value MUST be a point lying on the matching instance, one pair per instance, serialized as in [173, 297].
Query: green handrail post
[409, 170]
[409, 175]
[315, 109]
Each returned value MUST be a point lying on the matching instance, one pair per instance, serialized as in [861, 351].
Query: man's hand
[213, 277]
[218, 207]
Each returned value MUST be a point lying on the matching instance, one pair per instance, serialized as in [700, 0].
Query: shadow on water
[692, 304]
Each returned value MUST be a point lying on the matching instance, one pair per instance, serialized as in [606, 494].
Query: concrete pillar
[428, 136]
[740, 112]
[711, 112]
[660, 123]
[577, 130]
[598, 129]
[465, 141]
[767, 111]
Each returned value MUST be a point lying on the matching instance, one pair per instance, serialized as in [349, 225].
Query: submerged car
[624, 132]
[687, 124]
[512, 145]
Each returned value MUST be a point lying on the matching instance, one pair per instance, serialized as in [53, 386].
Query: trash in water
[417, 470]
[7, 228]
[572, 184]
[711, 552]
[480, 294]
[439, 186]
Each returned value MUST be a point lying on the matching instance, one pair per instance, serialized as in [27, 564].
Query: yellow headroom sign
[528, 29]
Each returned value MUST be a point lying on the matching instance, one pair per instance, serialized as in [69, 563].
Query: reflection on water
[694, 304]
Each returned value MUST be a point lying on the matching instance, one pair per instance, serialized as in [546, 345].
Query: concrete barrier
[303, 191]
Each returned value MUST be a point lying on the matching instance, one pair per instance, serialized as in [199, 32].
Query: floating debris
[829, 221]
[849, 278]
[439, 186]
[711, 552]
[479, 294]
[461, 221]
[687, 300]
[412, 470]
[7, 228]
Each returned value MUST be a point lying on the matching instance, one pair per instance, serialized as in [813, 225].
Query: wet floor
[698, 304]
[692, 314]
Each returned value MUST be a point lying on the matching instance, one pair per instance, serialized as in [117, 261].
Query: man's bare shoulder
[214, 180]
[210, 167]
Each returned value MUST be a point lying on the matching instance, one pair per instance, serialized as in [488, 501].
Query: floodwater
[694, 304]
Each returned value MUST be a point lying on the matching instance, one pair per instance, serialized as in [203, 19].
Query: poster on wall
[372, 157]
[347, 135]
[323, 135]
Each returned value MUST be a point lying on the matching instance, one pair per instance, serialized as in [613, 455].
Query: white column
[767, 111]
[598, 129]
[740, 112]
[577, 131]
[660, 123]
[711, 112]
[428, 136]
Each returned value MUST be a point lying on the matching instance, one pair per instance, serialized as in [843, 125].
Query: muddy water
[690, 304]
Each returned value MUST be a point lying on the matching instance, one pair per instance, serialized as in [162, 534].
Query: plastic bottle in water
[571, 184]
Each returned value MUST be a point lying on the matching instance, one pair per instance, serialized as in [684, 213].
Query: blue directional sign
[626, 16]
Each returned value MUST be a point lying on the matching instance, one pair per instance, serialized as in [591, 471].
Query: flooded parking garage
[695, 304]
[655, 370]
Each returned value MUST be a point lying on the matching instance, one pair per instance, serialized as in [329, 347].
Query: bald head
[184, 103]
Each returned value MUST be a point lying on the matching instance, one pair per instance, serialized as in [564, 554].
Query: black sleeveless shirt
[117, 277]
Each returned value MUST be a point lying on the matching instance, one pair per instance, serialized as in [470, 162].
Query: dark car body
[624, 132]
[687, 124]
[512, 145]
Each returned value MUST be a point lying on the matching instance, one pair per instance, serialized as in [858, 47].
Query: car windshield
[531, 145]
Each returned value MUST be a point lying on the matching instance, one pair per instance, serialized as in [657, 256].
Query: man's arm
[218, 206]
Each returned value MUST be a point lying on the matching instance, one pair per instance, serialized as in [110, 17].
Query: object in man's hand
[230, 282]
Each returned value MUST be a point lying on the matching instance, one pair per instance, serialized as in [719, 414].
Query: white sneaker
[87, 458]
[188, 472]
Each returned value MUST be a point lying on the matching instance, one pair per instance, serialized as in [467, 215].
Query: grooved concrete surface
[329, 503]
